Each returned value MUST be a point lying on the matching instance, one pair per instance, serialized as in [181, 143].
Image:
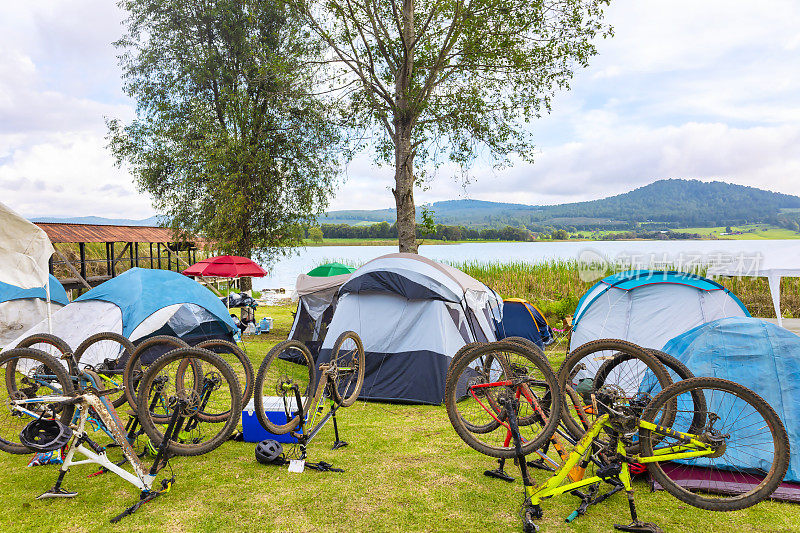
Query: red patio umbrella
[226, 266]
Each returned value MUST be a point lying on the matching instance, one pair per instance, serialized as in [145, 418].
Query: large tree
[451, 79]
[227, 137]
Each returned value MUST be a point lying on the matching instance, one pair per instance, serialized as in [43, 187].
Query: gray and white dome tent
[317, 299]
[649, 307]
[412, 314]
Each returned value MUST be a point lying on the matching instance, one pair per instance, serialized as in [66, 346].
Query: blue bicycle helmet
[45, 435]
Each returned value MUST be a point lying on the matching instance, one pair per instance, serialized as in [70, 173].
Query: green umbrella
[331, 269]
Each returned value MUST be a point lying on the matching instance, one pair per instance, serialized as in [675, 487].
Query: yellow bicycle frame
[553, 486]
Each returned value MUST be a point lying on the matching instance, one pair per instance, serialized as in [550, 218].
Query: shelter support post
[775, 291]
[151, 255]
[159, 255]
[113, 262]
[82, 250]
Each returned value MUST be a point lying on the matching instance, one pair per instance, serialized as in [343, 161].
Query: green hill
[672, 203]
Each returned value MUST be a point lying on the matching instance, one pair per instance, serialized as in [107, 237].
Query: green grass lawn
[749, 232]
[405, 470]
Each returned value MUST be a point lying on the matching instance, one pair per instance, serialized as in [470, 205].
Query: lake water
[642, 253]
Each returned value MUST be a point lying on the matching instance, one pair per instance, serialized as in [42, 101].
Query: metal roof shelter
[81, 272]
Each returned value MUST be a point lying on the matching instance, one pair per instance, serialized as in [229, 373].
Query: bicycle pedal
[498, 474]
[639, 527]
[56, 493]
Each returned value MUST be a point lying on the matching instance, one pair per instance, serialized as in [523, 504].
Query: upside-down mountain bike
[289, 373]
[711, 443]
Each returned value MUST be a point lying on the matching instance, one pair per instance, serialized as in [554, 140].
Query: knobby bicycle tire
[241, 356]
[127, 351]
[155, 427]
[707, 499]
[272, 368]
[495, 350]
[11, 422]
[133, 372]
[349, 396]
[616, 346]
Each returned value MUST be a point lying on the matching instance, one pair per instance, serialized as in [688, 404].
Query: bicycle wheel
[347, 368]
[751, 446]
[624, 381]
[107, 353]
[486, 381]
[52, 345]
[649, 385]
[166, 386]
[29, 374]
[465, 348]
[288, 363]
[139, 361]
[239, 361]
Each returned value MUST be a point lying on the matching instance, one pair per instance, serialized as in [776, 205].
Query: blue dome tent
[139, 304]
[649, 307]
[522, 319]
[21, 308]
[755, 353]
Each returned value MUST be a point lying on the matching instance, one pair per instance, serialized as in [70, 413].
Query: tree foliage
[227, 137]
[451, 80]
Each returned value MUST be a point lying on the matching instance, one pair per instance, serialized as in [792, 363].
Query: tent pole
[775, 290]
[49, 311]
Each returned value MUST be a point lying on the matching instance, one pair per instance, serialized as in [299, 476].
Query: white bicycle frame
[140, 478]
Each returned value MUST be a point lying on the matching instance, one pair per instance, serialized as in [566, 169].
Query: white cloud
[706, 90]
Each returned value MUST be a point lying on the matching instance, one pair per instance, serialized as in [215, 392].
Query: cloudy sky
[706, 90]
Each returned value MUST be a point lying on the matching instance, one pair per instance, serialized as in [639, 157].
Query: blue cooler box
[273, 407]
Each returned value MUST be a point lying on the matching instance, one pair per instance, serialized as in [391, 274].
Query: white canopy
[25, 250]
[772, 268]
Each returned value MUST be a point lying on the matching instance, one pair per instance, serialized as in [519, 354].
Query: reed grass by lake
[556, 286]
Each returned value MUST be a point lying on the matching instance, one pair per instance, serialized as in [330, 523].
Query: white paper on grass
[296, 466]
[25, 251]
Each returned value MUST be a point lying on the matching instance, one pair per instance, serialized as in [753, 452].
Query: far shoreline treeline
[443, 232]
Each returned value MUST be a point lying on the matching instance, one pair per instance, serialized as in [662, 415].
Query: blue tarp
[140, 292]
[12, 292]
[757, 354]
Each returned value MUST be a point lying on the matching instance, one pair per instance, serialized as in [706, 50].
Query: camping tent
[412, 314]
[317, 294]
[650, 307]
[757, 354]
[523, 319]
[21, 309]
[141, 303]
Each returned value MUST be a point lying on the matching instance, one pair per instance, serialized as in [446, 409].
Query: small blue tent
[21, 308]
[522, 319]
[757, 354]
[139, 304]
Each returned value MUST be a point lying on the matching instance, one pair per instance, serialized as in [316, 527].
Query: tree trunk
[404, 193]
[403, 154]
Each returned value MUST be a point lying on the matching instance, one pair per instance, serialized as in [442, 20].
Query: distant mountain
[152, 221]
[672, 203]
